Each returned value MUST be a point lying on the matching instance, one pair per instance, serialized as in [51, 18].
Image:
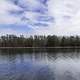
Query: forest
[39, 41]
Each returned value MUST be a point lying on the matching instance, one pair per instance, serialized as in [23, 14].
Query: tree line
[39, 41]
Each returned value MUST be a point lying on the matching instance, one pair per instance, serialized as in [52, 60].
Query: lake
[40, 64]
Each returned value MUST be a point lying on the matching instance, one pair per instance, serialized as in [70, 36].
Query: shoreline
[40, 47]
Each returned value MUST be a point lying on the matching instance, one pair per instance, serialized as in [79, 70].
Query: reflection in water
[39, 64]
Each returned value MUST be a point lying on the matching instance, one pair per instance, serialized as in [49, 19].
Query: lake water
[39, 64]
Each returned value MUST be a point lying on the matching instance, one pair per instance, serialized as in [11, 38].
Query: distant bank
[39, 41]
[40, 47]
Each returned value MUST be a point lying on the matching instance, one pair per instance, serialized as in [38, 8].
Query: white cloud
[5, 18]
[66, 15]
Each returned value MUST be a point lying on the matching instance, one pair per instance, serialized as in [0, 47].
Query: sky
[40, 17]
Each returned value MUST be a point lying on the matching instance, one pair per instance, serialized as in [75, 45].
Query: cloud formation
[67, 16]
[60, 17]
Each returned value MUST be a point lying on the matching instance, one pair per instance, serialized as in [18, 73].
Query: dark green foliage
[52, 41]
[39, 41]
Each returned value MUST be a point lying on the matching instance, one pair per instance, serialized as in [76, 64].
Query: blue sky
[60, 17]
[24, 16]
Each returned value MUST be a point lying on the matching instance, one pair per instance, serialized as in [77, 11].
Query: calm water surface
[39, 64]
